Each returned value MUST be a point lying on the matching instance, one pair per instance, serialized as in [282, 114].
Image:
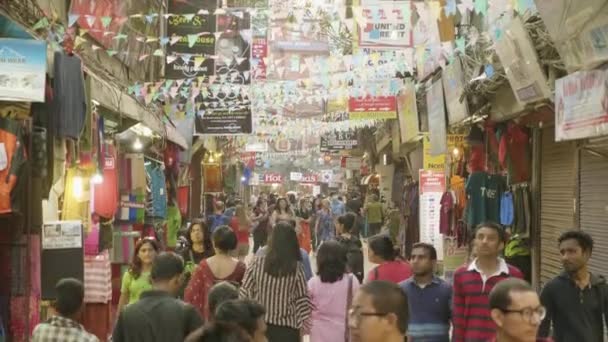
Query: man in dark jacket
[576, 300]
[158, 315]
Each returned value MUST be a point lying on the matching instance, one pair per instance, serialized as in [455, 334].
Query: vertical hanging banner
[233, 48]
[581, 105]
[407, 110]
[436, 112]
[259, 44]
[189, 56]
[453, 86]
[22, 70]
[385, 24]
[432, 187]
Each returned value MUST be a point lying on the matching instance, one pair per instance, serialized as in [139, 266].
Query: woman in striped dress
[277, 281]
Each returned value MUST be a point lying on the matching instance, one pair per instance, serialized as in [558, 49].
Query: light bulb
[243, 179]
[77, 187]
[137, 145]
[456, 152]
[211, 160]
[97, 178]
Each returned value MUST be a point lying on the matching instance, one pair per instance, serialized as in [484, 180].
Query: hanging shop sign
[248, 159]
[408, 112]
[372, 107]
[581, 105]
[256, 147]
[518, 55]
[22, 70]
[62, 235]
[327, 176]
[436, 112]
[212, 178]
[225, 121]
[385, 24]
[453, 87]
[295, 176]
[185, 58]
[233, 48]
[273, 178]
[579, 28]
[351, 163]
[438, 162]
[309, 179]
[432, 187]
[338, 141]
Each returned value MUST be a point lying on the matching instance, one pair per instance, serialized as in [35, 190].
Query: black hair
[584, 239]
[388, 298]
[331, 261]
[382, 246]
[69, 296]
[283, 251]
[166, 266]
[277, 207]
[207, 245]
[136, 266]
[219, 332]
[220, 293]
[500, 296]
[348, 221]
[494, 226]
[224, 239]
[340, 198]
[245, 313]
[428, 247]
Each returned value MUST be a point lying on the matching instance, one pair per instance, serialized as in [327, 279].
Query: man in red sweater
[473, 283]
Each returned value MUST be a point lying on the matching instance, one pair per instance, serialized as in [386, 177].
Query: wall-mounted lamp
[137, 144]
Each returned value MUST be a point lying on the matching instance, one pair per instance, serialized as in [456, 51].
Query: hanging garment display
[70, 97]
[106, 193]
[506, 209]
[446, 217]
[156, 204]
[97, 278]
[12, 157]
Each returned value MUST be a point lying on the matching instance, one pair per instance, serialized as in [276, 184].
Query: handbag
[349, 300]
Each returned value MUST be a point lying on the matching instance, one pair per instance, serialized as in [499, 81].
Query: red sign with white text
[372, 107]
[431, 181]
[309, 179]
[259, 51]
[271, 178]
[248, 158]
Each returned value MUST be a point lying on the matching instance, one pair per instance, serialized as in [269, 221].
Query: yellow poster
[437, 163]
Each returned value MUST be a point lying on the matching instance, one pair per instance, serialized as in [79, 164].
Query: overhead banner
[436, 114]
[453, 87]
[581, 105]
[338, 141]
[188, 57]
[408, 112]
[432, 187]
[22, 70]
[376, 107]
[385, 24]
[225, 121]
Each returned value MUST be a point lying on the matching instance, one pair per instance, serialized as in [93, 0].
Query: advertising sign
[225, 121]
[408, 112]
[376, 107]
[432, 187]
[327, 176]
[385, 24]
[581, 105]
[62, 235]
[309, 179]
[523, 70]
[453, 87]
[273, 178]
[248, 158]
[338, 141]
[438, 162]
[436, 113]
[22, 70]
[295, 176]
[352, 163]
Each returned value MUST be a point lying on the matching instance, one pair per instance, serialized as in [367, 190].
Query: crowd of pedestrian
[209, 293]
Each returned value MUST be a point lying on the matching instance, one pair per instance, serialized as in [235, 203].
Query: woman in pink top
[330, 295]
[382, 252]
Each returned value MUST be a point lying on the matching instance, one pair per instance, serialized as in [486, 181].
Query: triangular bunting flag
[164, 41]
[105, 21]
[217, 35]
[186, 58]
[175, 39]
[72, 19]
[203, 12]
[171, 59]
[481, 7]
[240, 60]
[192, 39]
[142, 57]
[151, 40]
[42, 23]
[189, 17]
[159, 53]
[111, 52]
[120, 36]
[90, 20]
[198, 61]
[95, 47]
[150, 18]
[78, 41]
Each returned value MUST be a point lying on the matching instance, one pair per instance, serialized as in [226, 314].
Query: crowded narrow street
[303, 170]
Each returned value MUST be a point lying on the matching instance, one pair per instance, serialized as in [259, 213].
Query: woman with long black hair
[137, 279]
[282, 212]
[277, 281]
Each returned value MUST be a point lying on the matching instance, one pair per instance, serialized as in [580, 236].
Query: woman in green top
[137, 279]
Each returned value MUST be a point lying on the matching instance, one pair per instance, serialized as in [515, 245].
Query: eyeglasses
[355, 316]
[528, 313]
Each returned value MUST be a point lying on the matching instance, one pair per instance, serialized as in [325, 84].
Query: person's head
[167, 271]
[283, 250]
[516, 310]
[423, 259]
[489, 240]
[340, 198]
[219, 332]
[198, 233]
[146, 250]
[575, 248]
[219, 207]
[220, 293]
[325, 204]
[262, 204]
[380, 249]
[224, 240]
[282, 205]
[346, 223]
[247, 314]
[304, 204]
[374, 198]
[69, 297]
[316, 203]
[379, 311]
[292, 198]
[331, 261]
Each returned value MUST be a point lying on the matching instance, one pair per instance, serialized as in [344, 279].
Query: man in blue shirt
[430, 298]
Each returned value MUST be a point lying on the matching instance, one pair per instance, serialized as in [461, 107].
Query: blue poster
[22, 69]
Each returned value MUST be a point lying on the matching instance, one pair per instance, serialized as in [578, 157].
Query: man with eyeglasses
[516, 310]
[379, 313]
